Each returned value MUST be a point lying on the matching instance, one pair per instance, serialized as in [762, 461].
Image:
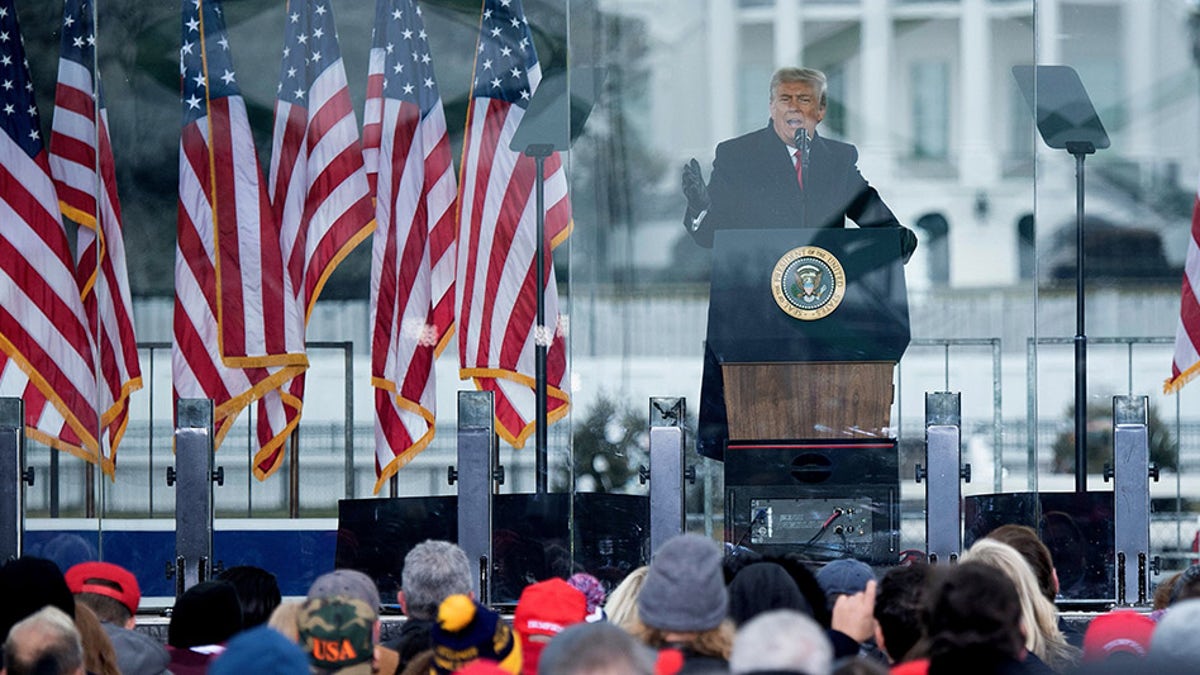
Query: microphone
[803, 146]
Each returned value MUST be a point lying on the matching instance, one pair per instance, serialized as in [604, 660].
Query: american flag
[100, 247]
[496, 285]
[412, 267]
[238, 324]
[46, 354]
[317, 184]
[1186, 364]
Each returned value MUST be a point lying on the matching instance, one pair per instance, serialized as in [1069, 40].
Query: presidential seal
[808, 283]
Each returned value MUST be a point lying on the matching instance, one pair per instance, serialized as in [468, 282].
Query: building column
[876, 134]
[723, 30]
[1138, 17]
[980, 144]
[1047, 26]
[787, 33]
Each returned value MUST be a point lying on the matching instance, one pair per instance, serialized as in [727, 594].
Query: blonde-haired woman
[1039, 617]
[621, 607]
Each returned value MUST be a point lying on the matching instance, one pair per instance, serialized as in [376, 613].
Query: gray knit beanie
[684, 589]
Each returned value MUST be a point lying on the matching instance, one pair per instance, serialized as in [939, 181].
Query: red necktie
[799, 170]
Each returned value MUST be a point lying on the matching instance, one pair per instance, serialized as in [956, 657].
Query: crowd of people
[696, 608]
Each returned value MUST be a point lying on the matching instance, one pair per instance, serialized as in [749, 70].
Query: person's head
[1187, 586]
[286, 619]
[683, 600]
[338, 623]
[844, 577]
[797, 567]
[111, 591]
[972, 614]
[467, 631]
[1173, 645]
[798, 98]
[899, 598]
[28, 584]
[781, 640]
[263, 651]
[346, 582]
[433, 571]
[44, 642]
[206, 614]
[1039, 618]
[1118, 636]
[762, 587]
[593, 591]
[1026, 541]
[99, 657]
[338, 634]
[621, 606]
[543, 611]
[1162, 592]
[595, 649]
[257, 590]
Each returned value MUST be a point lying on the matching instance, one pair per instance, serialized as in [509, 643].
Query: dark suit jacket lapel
[779, 171]
[818, 179]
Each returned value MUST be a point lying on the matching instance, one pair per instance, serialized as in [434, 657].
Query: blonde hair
[285, 619]
[621, 606]
[1039, 617]
[716, 642]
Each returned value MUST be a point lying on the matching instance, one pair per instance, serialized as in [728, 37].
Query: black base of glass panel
[531, 538]
[1077, 527]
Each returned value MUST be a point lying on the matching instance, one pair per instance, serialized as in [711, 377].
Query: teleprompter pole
[541, 335]
[1080, 150]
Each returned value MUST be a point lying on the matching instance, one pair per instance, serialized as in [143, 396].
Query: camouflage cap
[346, 582]
[337, 632]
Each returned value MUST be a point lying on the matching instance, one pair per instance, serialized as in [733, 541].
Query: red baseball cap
[1120, 631]
[105, 579]
[543, 611]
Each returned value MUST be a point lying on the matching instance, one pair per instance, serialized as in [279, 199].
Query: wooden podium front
[815, 400]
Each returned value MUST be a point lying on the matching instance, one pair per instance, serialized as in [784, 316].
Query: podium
[804, 330]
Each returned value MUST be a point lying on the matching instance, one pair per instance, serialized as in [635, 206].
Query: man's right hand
[694, 188]
[854, 615]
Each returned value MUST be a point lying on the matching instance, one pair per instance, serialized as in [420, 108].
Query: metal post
[666, 469]
[348, 415]
[12, 455]
[944, 469]
[1131, 472]
[476, 447]
[294, 473]
[193, 478]
[55, 483]
[89, 490]
[997, 421]
[1031, 416]
[1080, 324]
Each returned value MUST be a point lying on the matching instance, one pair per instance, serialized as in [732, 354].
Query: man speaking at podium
[783, 176]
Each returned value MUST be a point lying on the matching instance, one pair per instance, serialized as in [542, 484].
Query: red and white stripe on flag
[46, 353]
[318, 186]
[412, 266]
[1186, 364]
[238, 324]
[496, 285]
[100, 247]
